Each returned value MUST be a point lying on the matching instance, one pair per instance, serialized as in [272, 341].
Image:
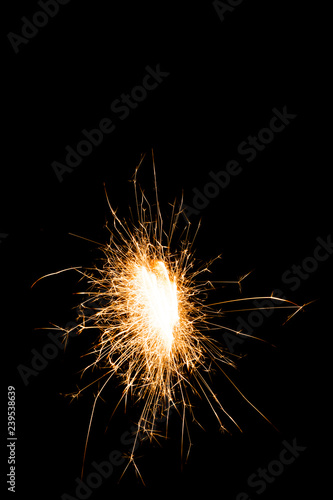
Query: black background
[225, 79]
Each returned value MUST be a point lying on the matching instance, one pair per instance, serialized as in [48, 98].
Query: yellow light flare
[150, 310]
[155, 302]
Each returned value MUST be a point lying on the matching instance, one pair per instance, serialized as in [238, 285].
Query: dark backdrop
[223, 75]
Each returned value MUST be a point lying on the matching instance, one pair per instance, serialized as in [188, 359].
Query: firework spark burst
[149, 306]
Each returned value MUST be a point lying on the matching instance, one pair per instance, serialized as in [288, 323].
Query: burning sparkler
[148, 305]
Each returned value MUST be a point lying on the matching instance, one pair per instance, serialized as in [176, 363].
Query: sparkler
[149, 306]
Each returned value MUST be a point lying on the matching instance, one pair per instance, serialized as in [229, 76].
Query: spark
[149, 306]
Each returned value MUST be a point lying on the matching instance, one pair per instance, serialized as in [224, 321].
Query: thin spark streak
[53, 274]
[300, 308]
[260, 308]
[254, 298]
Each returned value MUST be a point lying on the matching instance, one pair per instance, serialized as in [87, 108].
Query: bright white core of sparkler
[157, 303]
